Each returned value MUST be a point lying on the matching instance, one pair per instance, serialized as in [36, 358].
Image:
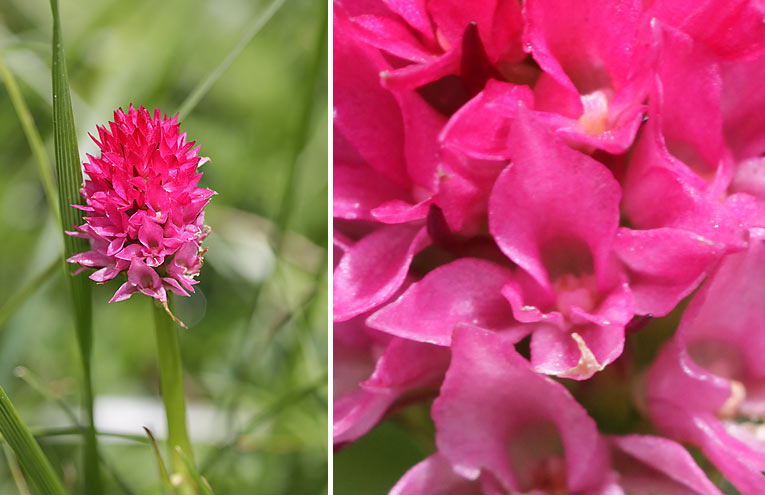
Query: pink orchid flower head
[144, 211]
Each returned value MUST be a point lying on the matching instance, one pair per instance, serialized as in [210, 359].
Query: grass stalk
[244, 345]
[171, 386]
[15, 301]
[33, 137]
[204, 86]
[15, 469]
[69, 181]
[27, 451]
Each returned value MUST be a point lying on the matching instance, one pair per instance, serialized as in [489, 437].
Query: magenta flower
[144, 211]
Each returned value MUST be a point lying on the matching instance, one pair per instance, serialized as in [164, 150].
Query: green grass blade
[12, 304]
[203, 87]
[163, 476]
[33, 136]
[246, 338]
[34, 383]
[27, 451]
[288, 400]
[304, 126]
[15, 469]
[69, 178]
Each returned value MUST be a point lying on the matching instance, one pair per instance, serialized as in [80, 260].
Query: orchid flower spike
[144, 212]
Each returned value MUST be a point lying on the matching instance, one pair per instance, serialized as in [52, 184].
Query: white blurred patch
[128, 415]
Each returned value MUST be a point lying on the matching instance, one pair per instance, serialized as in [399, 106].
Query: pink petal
[467, 290]
[143, 276]
[397, 211]
[374, 268]
[665, 265]
[653, 173]
[691, 119]
[150, 234]
[732, 29]
[124, 292]
[743, 122]
[713, 368]
[359, 189]
[422, 125]
[356, 413]
[414, 12]
[371, 371]
[357, 95]
[496, 415]
[549, 197]
[393, 36]
[585, 45]
[434, 476]
[481, 127]
[407, 365]
[499, 23]
[663, 466]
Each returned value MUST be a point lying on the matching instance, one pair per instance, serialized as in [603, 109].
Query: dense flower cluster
[144, 212]
[517, 187]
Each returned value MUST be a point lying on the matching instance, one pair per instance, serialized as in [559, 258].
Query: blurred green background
[256, 374]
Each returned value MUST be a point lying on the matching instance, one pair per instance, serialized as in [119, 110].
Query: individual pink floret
[706, 386]
[372, 371]
[502, 429]
[144, 212]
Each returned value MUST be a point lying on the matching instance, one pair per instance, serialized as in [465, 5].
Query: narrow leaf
[12, 304]
[33, 137]
[15, 469]
[160, 462]
[203, 87]
[27, 451]
[69, 179]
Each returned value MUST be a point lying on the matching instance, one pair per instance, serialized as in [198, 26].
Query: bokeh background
[255, 354]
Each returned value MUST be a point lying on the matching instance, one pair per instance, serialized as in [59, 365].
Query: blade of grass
[204, 86]
[243, 344]
[12, 304]
[27, 450]
[289, 399]
[160, 462]
[69, 179]
[34, 382]
[15, 469]
[62, 431]
[33, 137]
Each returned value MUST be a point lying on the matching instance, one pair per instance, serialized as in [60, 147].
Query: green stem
[171, 386]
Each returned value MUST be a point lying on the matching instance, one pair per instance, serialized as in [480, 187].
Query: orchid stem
[171, 386]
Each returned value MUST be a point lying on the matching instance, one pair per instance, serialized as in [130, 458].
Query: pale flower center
[594, 119]
[571, 290]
